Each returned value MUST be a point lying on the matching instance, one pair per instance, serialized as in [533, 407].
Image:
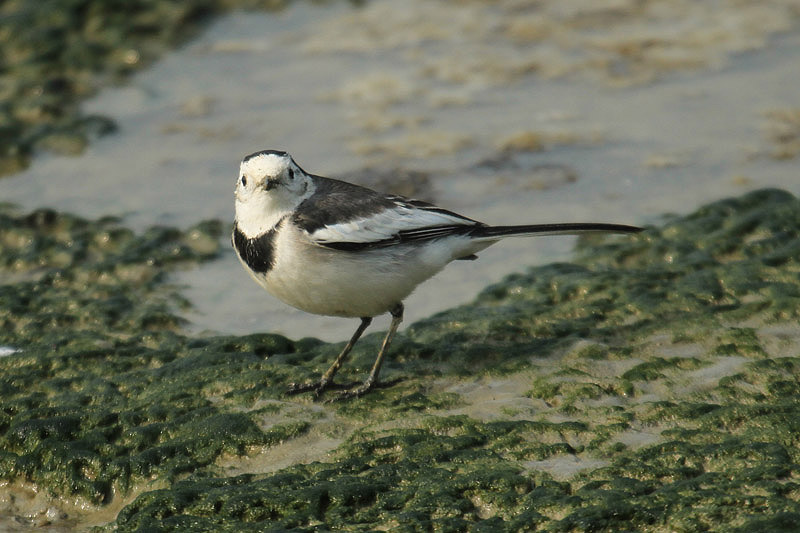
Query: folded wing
[404, 222]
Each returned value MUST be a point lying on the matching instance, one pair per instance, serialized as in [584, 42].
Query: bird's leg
[327, 377]
[372, 379]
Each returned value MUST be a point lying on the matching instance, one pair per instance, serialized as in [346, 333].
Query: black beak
[270, 184]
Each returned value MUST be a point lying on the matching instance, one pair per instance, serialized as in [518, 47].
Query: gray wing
[344, 216]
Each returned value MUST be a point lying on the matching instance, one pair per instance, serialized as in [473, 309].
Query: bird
[329, 247]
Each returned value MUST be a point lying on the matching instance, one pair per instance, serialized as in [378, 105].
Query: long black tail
[574, 228]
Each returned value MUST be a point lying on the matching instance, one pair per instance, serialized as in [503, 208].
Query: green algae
[648, 364]
[92, 276]
[90, 402]
[377, 482]
[380, 483]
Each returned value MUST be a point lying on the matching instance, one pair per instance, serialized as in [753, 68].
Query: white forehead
[265, 164]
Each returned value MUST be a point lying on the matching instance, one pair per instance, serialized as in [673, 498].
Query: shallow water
[394, 87]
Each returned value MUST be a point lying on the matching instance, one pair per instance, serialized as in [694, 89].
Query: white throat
[259, 213]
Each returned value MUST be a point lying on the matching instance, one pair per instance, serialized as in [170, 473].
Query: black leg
[372, 379]
[327, 378]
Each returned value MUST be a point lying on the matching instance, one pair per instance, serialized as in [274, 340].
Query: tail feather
[574, 228]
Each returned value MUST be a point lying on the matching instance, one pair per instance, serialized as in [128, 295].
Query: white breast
[365, 283]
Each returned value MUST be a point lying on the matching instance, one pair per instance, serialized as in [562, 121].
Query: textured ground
[652, 384]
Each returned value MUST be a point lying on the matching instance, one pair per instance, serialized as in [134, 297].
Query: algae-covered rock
[73, 276]
[650, 385]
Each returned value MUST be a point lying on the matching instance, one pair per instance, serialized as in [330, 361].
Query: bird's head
[269, 185]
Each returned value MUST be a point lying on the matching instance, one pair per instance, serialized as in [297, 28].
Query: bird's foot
[299, 388]
[317, 386]
[363, 389]
[356, 392]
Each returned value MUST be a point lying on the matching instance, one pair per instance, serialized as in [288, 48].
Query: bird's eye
[291, 173]
[244, 181]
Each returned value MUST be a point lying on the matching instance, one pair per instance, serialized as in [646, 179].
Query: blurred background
[513, 111]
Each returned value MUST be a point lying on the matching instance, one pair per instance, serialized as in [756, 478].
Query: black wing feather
[335, 202]
[405, 236]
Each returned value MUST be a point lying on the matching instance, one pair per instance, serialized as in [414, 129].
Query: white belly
[366, 283]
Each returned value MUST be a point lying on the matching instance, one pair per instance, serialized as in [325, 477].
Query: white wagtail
[333, 248]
